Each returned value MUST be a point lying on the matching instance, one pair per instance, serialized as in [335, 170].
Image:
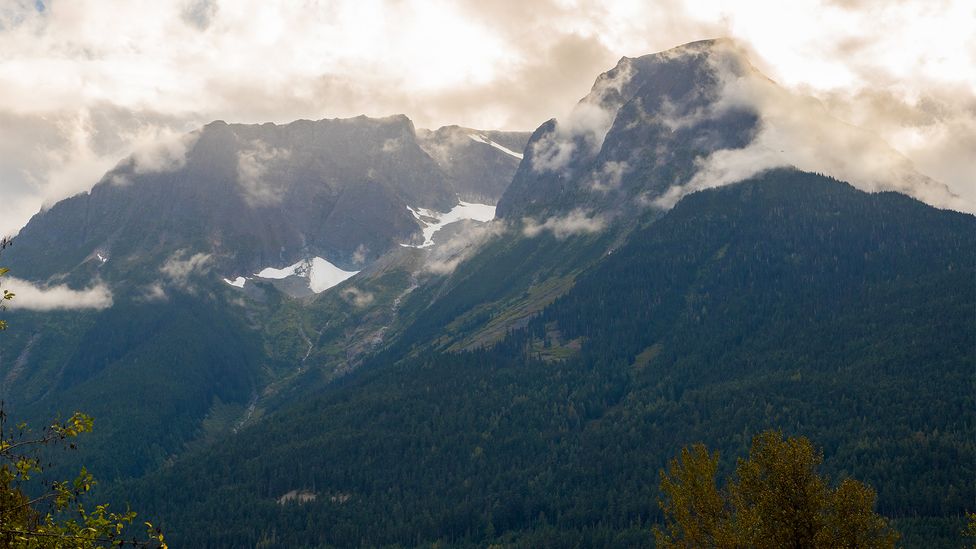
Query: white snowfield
[321, 274]
[324, 275]
[237, 282]
[464, 210]
[482, 139]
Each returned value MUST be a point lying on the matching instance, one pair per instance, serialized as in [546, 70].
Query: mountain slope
[175, 240]
[829, 312]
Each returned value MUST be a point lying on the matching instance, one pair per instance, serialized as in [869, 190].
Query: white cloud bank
[32, 297]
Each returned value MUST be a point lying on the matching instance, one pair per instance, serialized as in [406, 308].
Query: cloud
[199, 13]
[609, 175]
[574, 223]
[360, 255]
[252, 167]
[48, 157]
[357, 297]
[392, 145]
[584, 130]
[468, 237]
[797, 130]
[158, 149]
[178, 267]
[32, 297]
[153, 292]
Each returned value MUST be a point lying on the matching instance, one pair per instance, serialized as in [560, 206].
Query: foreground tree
[5, 295]
[776, 499]
[969, 533]
[52, 514]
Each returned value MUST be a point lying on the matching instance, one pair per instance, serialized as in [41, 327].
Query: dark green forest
[790, 301]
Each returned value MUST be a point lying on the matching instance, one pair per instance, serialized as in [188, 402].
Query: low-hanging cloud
[161, 149]
[180, 266]
[47, 157]
[253, 164]
[152, 292]
[576, 222]
[608, 176]
[583, 131]
[29, 296]
[469, 236]
[359, 298]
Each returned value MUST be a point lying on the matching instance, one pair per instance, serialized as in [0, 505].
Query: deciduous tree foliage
[40, 514]
[776, 499]
[51, 514]
[7, 294]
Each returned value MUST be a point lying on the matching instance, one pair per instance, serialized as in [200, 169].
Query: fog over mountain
[657, 127]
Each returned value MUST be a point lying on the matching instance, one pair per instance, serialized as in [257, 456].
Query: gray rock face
[254, 196]
[658, 127]
[638, 131]
[480, 164]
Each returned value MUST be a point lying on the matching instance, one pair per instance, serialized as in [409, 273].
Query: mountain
[470, 159]
[320, 334]
[211, 252]
[659, 126]
[790, 301]
[257, 196]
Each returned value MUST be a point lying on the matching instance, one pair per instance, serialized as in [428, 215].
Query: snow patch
[464, 210]
[321, 273]
[237, 282]
[324, 275]
[482, 139]
[277, 274]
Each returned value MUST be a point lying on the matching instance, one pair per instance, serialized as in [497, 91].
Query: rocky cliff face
[657, 127]
[254, 196]
[480, 164]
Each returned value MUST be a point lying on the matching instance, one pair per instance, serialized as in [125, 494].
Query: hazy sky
[85, 82]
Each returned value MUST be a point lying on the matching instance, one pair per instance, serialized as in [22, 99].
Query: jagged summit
[259, 195]
[657, 127]
[639, 130]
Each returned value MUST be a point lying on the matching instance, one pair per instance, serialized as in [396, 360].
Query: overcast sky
[85, 82]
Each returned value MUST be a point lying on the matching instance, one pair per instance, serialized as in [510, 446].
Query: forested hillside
[790, 301]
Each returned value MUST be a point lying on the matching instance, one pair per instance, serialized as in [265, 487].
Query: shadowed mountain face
[254, 196]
